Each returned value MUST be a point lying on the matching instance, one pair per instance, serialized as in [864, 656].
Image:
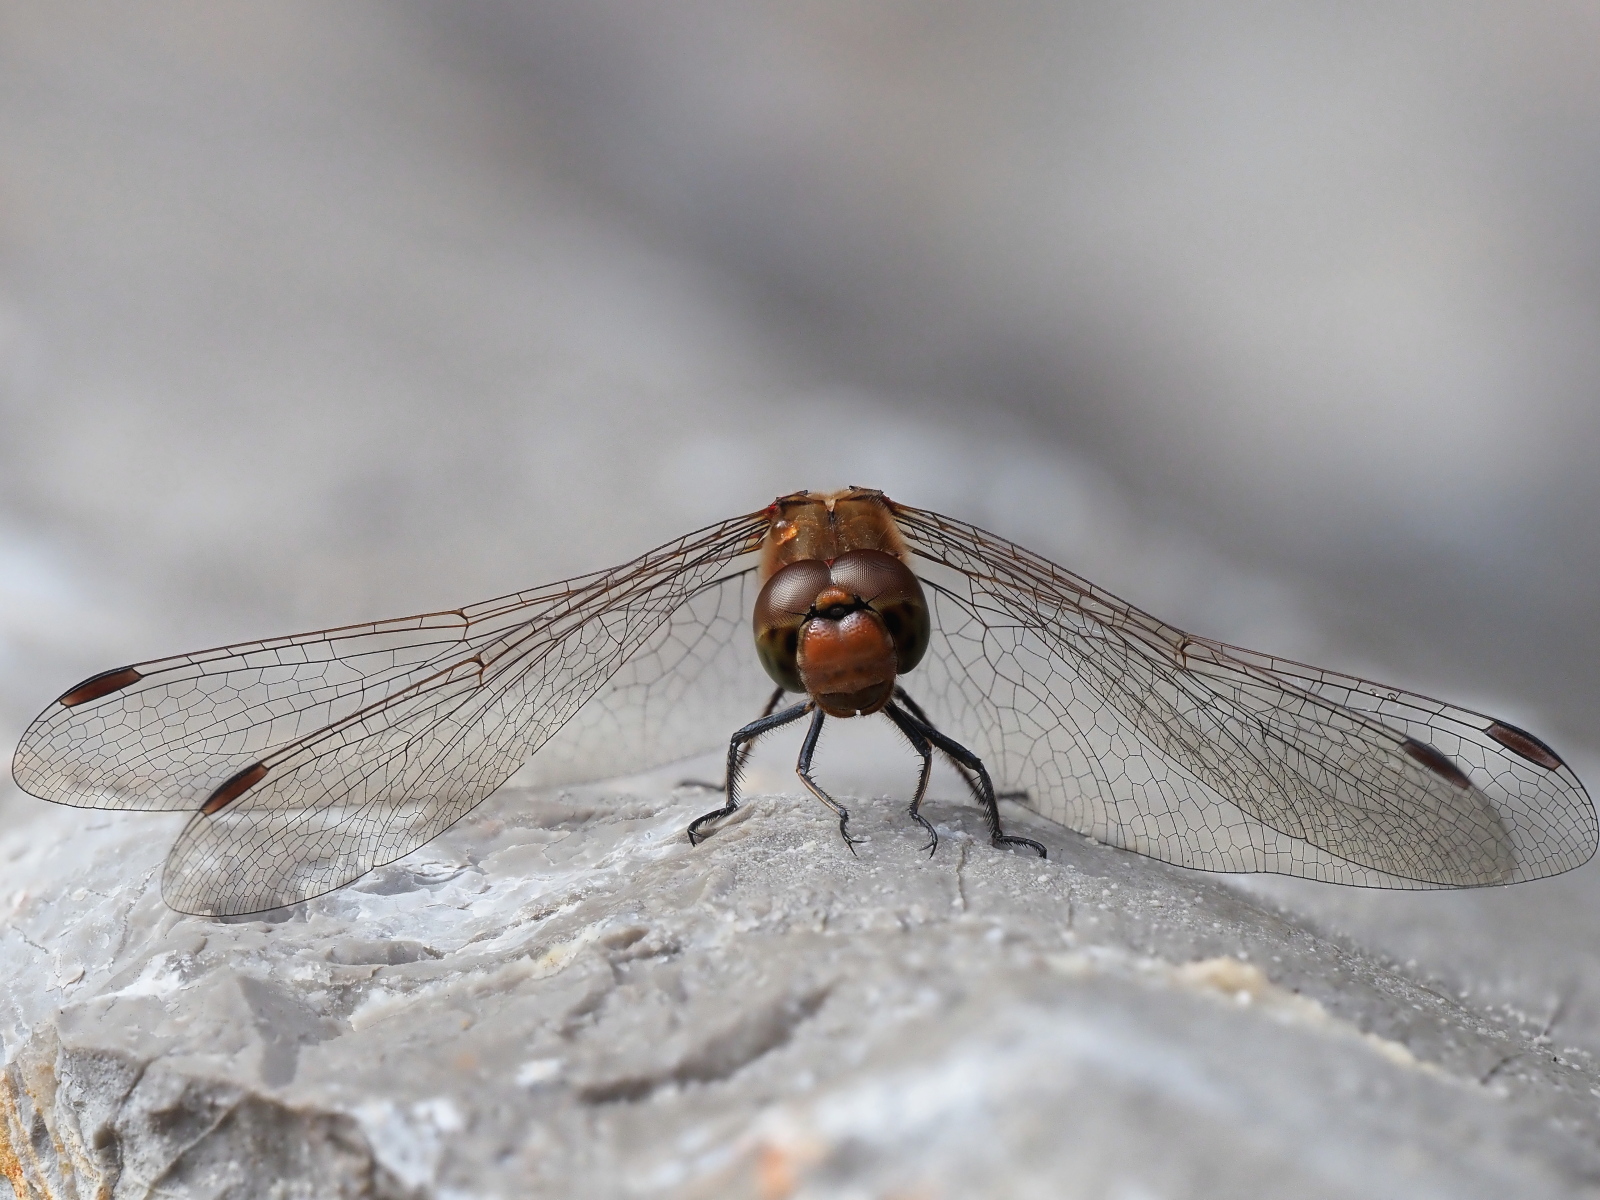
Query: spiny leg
[803, 769]
[966, 758]
[967, 776]
[736, 757]
[744, 753]
[922, 746]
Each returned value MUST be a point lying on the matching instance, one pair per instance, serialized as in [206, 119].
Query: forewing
[322, 756]
[1209, 756]
[179, 726]
[681, 694]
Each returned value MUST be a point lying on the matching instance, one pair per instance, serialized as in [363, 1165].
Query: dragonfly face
[841, 631]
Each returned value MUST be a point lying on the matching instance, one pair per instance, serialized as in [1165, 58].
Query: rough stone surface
[562, 997]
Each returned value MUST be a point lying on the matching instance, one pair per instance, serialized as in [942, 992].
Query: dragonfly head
[842, 631]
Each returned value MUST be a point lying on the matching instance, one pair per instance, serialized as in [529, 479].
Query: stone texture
[562, 997]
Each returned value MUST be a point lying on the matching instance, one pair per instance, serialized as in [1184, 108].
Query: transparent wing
[682, 694]
[1210, 756]
[314, 758]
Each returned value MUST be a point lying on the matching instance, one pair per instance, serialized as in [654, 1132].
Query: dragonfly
[309, 760]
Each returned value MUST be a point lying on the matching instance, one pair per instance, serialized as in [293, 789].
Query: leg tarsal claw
[1006, 839]
[695, 836]
[845, 834]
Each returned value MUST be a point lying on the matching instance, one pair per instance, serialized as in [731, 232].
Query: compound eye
[890, 589]
[780, 612]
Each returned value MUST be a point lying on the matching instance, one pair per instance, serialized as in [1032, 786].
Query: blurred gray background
[1284, 323]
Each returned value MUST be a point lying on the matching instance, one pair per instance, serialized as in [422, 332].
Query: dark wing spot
[234, 787]
[1520, 741]
[99, 685]
[1436, 762]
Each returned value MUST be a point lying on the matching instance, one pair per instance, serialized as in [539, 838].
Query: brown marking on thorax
[824, 525]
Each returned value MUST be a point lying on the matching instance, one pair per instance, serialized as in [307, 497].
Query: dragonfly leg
[967, 777]
[803, 769]
[737, 752]
[965, 758]
[922, 746]
[744, 753]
